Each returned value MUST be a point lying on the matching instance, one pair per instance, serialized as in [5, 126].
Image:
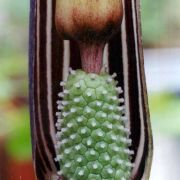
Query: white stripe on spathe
[49, 77]
[48, 66]
[106, 57]
[125, 67]
[142, 135]
[66, 59]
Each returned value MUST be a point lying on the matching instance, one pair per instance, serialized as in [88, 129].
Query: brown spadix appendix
[72, 34]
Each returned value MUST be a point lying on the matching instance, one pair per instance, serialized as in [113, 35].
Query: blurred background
[161, 40]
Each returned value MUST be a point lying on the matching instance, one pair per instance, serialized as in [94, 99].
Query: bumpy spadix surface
[93, 142]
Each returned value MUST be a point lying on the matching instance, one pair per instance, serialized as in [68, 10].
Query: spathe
[47, 67]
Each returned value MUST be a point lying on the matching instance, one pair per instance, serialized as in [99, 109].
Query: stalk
[91, 57]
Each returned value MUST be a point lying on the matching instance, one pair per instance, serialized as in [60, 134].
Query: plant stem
[91, 57]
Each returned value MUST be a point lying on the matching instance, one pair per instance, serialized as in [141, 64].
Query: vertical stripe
[148, 144]
[142, 135]
[40, 87]
[106, 56]
[57, 72]
[32, 45]
[66, 59]
[41, 8]
[49, 70]
[125, 65]
[132, 81]
[39, 163]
